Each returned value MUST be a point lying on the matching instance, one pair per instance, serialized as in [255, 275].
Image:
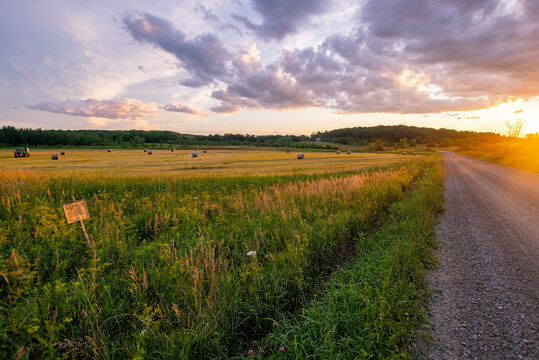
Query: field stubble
[181, 163]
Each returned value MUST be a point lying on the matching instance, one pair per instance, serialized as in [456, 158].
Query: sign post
[77, 211]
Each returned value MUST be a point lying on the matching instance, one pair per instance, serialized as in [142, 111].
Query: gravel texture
[487, 303]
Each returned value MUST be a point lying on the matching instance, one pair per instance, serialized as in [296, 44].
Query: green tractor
[22, 152]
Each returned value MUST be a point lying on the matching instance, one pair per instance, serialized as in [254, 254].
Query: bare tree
[514, 127]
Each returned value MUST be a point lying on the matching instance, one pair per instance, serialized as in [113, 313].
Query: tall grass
[190, 268]
[374, 306]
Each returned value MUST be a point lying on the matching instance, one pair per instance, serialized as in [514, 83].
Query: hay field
[181, 163]
[189, 258]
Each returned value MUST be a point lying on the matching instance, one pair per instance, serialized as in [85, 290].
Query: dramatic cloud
[267, 88]
[314, 78]
[120, 108]
[405, 56]
[281, 17]
[204, 57]
[184, 109]
[468, 48]
[369, 56]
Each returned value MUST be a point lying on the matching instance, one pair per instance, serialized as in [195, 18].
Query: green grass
[169, 275]
[374, 306]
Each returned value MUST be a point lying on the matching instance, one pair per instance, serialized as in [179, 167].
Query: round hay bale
[109, 150]
[149, 152]
[301, 156]
[204, 151]
[145, 150]
[348, 152]
[63, 152]
[55, 157]
[194, 154]
[404, 153]
[338, 152]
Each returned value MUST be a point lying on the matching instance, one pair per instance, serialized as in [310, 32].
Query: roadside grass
[519, 153]
[374, 306]
[170, 275]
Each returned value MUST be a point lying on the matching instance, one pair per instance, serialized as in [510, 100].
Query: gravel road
[488, 274]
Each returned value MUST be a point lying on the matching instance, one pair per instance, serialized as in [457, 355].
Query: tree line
[389, 135]
[11, 136]
[394, 133]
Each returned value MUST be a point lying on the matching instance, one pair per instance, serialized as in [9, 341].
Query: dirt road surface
[488, 274]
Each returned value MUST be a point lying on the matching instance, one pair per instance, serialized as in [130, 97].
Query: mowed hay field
[183, 265]
[181, 162]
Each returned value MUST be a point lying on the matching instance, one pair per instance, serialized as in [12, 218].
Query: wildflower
[251, 352]
[281, 349]
[251, 253]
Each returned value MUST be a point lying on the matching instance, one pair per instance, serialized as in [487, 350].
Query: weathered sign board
[76, 211]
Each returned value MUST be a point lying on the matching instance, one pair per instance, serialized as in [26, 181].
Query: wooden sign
[76, 211]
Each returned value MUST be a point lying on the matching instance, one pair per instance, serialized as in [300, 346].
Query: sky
[269, 66]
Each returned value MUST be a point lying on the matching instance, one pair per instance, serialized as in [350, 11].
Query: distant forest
[392, 135]
[389, 135]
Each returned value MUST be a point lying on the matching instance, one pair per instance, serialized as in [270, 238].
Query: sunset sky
[269, 66]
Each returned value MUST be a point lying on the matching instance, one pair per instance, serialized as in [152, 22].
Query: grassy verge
[374, 306]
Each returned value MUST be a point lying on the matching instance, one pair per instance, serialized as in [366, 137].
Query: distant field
[181, 163]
